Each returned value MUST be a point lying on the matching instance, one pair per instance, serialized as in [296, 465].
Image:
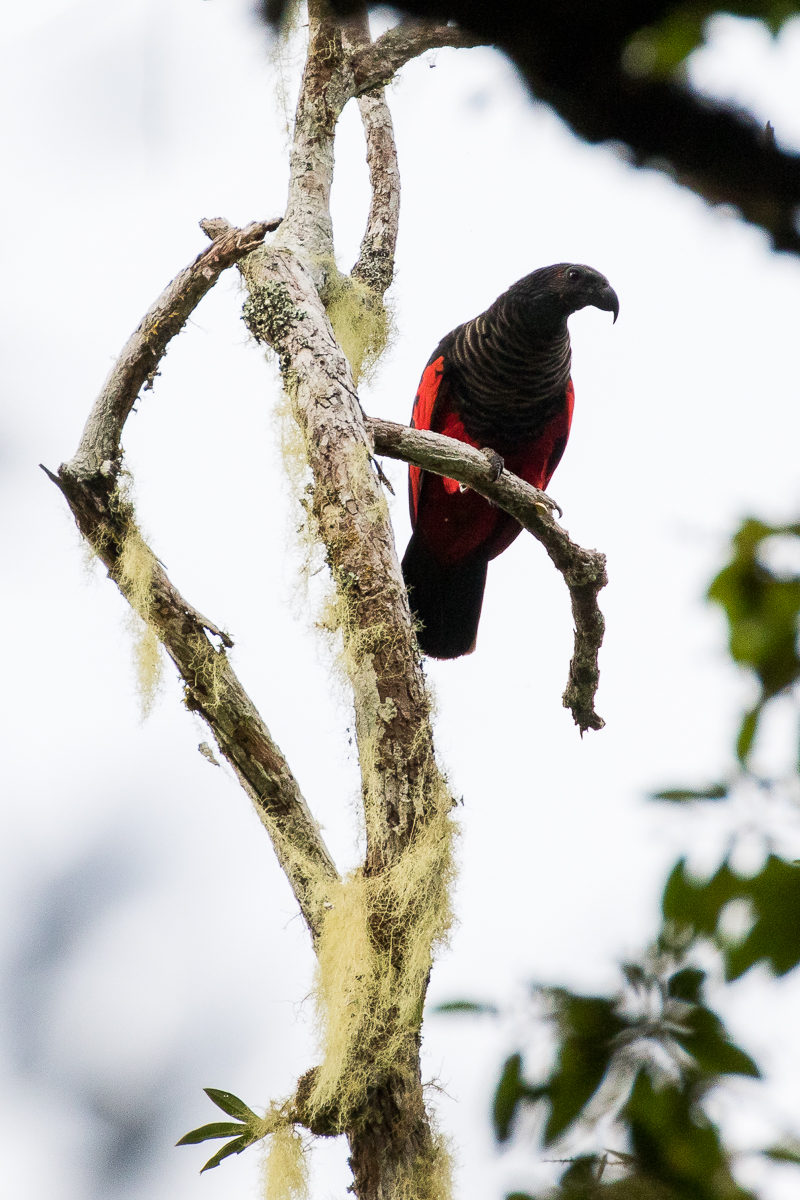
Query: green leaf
[507, 1096]
[709, 1046]
[774, 894]
[466, 1006]
[747, 733]
[697, 903]
[787, 1154]
[581, 1172]
[687, 985]
[714, 791]
[511, 1090]
[775, 935]
[675, 1144]
[235, 1147]
[587, 1026]
[218, 1129]
[231, 1104]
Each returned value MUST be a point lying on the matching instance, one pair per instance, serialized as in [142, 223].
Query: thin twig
[584, 571]
[99, 450]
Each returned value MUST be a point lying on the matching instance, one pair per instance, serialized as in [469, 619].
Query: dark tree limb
[584, 571]
[145, 348]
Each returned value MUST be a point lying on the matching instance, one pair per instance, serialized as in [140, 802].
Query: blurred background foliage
[612, 70]
[639, 1067]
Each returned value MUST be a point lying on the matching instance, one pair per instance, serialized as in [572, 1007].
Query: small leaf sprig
[247, 1129]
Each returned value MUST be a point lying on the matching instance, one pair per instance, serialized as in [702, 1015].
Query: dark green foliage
[610, 1043]
[249, 1129]
[470, 1007]
[762, 609]
[785, 1154]
[715, 791]
[510, 1092]
[707, 1042]
[655, 1051]
[217, 1129]
[674, 1142]
[774, 897]
[587, 1029]
[658, 49]
[600, 1039]
[230, 1104]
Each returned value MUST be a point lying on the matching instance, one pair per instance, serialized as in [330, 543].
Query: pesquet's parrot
[501, 383]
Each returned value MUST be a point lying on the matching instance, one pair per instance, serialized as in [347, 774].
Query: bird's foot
[495, 462]
[548, 504]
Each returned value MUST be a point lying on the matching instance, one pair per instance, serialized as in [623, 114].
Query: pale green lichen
[285, 1171]
[361, 320]
[374, 958]
[134, 573]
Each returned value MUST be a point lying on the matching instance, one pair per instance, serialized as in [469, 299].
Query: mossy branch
[212, 690]
[584, 571]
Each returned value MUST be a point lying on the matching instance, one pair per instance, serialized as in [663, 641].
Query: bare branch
[375, 265]
[214, 692]
[378, 62]
[145, 348]
[584, 571]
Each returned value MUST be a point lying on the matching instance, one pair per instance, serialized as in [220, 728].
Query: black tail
[445, 599]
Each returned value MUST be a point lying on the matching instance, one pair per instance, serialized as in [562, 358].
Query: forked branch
[584, 571]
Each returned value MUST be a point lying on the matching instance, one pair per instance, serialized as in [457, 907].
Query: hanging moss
[374, 958]
[134, 572]
[362, 322]
[285, 1167]
[430, 1177]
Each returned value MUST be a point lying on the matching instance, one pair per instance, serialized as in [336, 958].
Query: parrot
[501, 383]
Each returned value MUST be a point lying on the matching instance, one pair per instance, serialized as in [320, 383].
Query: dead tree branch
[107, 521]
[145, 348]
[377, 63]
[212, 690]
[375, 265]
[584, 571]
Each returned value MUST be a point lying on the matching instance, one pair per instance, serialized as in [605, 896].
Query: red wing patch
[421, 418]
[455, 524]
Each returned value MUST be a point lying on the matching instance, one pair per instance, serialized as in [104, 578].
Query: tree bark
[395, 908]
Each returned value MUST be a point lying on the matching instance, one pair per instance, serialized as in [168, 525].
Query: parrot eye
[573, 274]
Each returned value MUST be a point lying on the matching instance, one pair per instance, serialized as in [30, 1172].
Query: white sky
[151, 946]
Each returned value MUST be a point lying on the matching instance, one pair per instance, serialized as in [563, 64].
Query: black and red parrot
[501, 383]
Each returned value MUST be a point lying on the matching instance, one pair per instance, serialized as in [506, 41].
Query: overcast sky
[150, 944]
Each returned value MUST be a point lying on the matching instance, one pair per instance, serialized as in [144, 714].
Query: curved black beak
[607, 301]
